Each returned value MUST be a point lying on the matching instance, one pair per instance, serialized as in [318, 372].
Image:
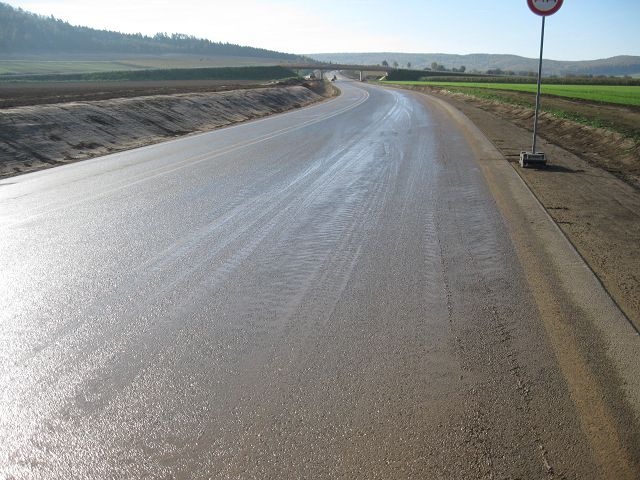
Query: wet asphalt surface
[328, 293]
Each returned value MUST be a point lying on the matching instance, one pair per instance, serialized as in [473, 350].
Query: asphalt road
[335, 292]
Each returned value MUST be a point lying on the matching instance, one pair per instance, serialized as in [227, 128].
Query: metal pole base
[529, 159]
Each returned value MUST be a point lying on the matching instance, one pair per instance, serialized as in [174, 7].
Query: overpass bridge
[326, 67]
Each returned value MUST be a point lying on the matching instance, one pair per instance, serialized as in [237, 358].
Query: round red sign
[544, 7]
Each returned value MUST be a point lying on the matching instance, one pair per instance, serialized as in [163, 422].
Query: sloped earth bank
[595, 207]
[40, 136]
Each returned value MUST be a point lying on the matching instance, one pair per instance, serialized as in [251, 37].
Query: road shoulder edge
[570, 299]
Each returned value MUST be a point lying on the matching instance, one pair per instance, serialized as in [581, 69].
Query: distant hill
[24, 33]
[621, 65]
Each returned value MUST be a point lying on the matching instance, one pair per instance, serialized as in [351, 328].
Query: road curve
[334, 292]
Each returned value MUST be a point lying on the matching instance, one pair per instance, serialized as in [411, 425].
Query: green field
[621, 95]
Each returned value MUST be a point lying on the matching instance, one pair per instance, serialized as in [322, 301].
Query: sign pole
[535, 122]
[544, 8]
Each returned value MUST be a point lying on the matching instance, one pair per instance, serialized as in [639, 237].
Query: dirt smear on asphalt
[591, 188]
[42, 135]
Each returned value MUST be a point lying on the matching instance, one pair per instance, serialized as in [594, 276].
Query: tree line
[24, 32]
[435, 67]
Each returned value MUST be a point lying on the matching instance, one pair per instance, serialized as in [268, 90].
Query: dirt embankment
[590, 187]
[617, 152]
[40, 136]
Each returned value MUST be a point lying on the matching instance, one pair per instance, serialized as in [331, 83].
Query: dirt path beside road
[597, 210]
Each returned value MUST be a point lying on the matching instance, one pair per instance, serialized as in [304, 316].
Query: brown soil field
[41, 93]
[591, 187]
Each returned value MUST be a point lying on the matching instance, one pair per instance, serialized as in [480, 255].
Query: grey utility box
[528, 159]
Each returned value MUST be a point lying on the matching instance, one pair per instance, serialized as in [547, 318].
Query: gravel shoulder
[596, 208]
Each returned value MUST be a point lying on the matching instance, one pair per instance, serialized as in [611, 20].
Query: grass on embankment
[622, 119]
[620, 95]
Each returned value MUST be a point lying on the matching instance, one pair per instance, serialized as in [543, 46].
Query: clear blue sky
[583, 29]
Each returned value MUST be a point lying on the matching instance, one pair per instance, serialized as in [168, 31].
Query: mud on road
[591, 190]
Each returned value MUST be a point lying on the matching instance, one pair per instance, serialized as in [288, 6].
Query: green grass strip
[487, 94]
[620, 95]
